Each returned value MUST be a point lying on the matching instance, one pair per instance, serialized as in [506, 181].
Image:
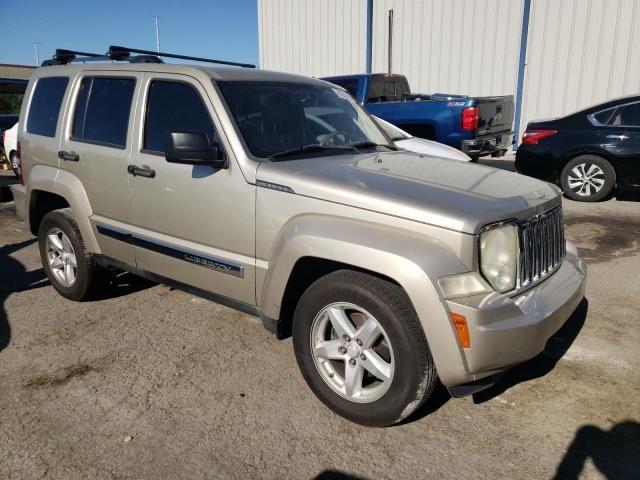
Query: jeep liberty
[278, 195]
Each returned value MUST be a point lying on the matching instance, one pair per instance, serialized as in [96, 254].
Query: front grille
[542, 247]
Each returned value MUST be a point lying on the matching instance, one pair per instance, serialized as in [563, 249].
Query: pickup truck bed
[476, 125]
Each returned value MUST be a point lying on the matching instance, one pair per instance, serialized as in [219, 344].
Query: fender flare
[413, 261]
[68, 186]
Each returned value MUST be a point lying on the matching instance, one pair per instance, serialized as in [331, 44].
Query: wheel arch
[50, 189]
[305, 252]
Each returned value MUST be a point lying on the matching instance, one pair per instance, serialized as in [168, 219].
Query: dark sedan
[588, 153]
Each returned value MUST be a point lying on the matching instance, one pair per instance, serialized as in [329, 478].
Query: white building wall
[451, 46]
[580, 52]
[312, 37]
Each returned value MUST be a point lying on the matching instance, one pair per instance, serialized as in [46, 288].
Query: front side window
[45, 105]
[174, 107]
[278, 117]
[102, 110]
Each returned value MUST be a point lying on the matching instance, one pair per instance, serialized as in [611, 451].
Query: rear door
[621, 138]
[96, 150]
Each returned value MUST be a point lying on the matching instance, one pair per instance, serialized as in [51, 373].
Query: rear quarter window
[46, 101]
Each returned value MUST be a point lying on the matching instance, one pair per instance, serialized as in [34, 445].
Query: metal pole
[157, 34]
[390, 52]
[35, 47]
[369, 35]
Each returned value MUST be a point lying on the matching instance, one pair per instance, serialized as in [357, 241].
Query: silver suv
[278, 195]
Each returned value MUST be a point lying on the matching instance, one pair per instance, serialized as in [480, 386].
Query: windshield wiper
[373, 145]
[311, 149]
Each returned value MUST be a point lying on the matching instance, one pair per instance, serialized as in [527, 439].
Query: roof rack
[123, 53]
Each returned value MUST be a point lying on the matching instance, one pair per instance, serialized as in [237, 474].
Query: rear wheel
[360, 348]
[588, 178]
[66, 261]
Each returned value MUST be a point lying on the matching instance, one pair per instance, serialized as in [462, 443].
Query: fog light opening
[462, 330]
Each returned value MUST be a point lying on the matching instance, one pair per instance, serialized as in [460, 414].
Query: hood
[432, 190]
[431, 148]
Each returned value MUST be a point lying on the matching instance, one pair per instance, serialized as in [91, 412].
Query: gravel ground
[151, 382]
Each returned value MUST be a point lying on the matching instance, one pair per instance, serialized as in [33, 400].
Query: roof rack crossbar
[121, 53]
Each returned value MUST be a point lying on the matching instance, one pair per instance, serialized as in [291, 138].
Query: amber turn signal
[460, 322]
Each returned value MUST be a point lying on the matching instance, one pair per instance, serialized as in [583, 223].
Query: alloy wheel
[352, 352]
[586, 179]
[61, 257]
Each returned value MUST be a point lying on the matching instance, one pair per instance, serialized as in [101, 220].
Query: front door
[194, 224]
[96, 148]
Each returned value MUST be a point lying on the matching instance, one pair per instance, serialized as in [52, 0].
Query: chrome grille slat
[542, 247]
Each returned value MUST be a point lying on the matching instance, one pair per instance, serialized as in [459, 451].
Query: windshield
[283, 117]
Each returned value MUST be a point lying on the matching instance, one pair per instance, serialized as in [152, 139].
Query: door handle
[68, 156]
[622, 136]
[143, 171]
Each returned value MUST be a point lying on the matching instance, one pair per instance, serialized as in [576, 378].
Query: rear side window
[174, 107]
[387, 88]
[628, 116]
[604, 117]
[102, 110]
[45, 105]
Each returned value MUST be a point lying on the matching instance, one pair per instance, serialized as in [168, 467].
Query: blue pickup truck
[476, 125]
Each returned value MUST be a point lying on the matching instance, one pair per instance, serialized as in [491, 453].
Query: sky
[220, 29]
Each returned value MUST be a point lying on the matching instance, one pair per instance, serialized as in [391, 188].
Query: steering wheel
[333, 135]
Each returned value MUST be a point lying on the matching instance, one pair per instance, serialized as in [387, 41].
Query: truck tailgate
[495, 114]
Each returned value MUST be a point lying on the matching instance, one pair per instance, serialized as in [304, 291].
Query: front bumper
[488, 144]
[506, 331]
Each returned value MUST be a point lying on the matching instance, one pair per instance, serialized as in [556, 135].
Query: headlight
[499, 256]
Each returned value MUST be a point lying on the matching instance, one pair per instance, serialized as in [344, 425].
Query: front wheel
[361, 349]
[588, 178]
[15, 164]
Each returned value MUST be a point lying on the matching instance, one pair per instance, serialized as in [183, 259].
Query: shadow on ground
[336, 475]
[543, 363]
[614, 453]
[15, 278]
[537, 367]
[118, 284]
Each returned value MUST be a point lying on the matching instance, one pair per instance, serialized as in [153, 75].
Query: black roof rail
[123, 53]
[64, 57]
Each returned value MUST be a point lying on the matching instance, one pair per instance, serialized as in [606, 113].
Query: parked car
[405, 140]
[391, 269]
[10, 141]
[476, 125]
[6, 122]
[588, 153]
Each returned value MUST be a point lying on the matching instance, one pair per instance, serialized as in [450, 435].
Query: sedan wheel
[587, 178]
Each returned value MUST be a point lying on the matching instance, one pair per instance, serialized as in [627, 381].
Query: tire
[588, 178]
[61, 224]
[14, 166]
[401, 344]
[474, 158]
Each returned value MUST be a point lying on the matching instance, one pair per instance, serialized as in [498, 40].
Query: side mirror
[193, 148]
